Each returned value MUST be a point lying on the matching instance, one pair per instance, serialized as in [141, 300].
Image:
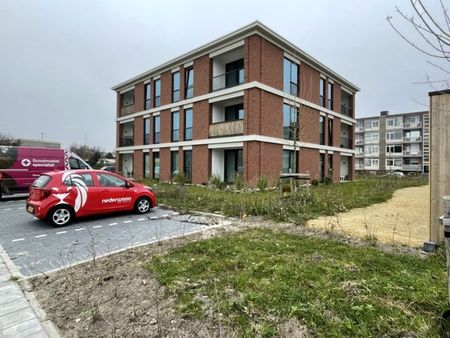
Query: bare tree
[431, 35]
[8, 140]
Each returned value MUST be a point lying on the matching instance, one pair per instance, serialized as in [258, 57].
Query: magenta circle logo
[26, 162]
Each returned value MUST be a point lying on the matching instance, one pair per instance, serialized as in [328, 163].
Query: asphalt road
[36, 246]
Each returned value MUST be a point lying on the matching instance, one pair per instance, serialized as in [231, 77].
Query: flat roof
[255, 27]
[392, 115]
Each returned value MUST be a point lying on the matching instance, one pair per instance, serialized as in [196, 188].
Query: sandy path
[403, 219]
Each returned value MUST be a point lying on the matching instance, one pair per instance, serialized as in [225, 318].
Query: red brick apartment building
[230, 107]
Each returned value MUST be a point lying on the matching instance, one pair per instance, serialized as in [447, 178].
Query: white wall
[217, 163]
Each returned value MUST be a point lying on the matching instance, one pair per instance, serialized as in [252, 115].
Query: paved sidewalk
[20, 314]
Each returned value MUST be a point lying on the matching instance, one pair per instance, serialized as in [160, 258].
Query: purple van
[20, 166]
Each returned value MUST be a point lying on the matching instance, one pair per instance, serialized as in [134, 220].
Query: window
[394, 135]
[330, 165]
[322, 129]
[157, 89]
[290, 118]
[189, 86]
[79, 179]
[156, 129]
[394, 122]
[234, 73]
[234, 112]
[106, 180]
[397, 162]
[175, 86]
[394, 149]
[147, 97]
[234, 163]
[322, 167]
[371, 162]
[156, 165]
[290, 77]
[187, 164]
[330, 96]
[330, 132]
[146, 165]
[371, 124]
[128, 98]
[371, 149]
[322, 92]
[288, 161]
[371, 137]
[147, 130]
[174, 163]
[175, 126]
[188, 124]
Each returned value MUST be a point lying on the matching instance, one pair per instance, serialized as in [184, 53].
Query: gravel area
[404, 219]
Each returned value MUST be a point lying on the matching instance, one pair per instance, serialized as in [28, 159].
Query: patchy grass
[259, 280]
[296, 208]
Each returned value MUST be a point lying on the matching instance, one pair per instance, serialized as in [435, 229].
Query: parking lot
[37, 247]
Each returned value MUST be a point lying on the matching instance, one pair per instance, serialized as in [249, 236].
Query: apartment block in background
[236, 105]
[397, 142]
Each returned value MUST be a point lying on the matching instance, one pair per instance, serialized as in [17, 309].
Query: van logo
[26, 162]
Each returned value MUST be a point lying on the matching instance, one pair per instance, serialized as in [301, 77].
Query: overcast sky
[59, 59]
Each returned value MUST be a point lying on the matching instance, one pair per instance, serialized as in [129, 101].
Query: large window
[394, 149]
[394, 122]
[322, 129]
[156, 129]
[146, 165]
[174, 163]
[234, 112]
[189, 85]
[290, 77]
[157, 89]
[187, 164]
[322, 85]
[234, 164]
[395, 135]
[371, 124]
[147, 130]
[156, 165]
[147, 96]
[371, 137]
[188, 124]
[290, 118]
[393, 162]
[330, 132]
[175, 126]
[330, 96]
[128, 98]
[288, 162]
[175, 86]
[372, 149]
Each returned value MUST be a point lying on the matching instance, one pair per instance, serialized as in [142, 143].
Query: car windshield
[42, 181]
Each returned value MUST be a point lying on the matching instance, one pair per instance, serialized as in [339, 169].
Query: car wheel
[143, 205]
[60, 215]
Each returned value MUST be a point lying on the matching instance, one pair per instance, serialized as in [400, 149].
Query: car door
[88, 194]
[116, 194]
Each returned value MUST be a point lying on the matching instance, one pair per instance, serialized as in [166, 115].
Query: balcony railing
[346, 142]
[412, 153]
[409, 125]
[359, 154]
[346, 109]
[412, 167]
[412, 139]
[359, 141]
[126, 141]
[229, 79]
[226, 128]
[126, 110]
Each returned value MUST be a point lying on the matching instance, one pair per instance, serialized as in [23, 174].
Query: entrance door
[233, 164]
[344, 168]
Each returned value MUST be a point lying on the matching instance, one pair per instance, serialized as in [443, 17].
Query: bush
[238, 181]
[327, 180]
[262, 183]
[217, 183]
[315, 182]
[180, 178]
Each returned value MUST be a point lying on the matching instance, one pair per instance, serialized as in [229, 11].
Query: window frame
[188, 129]
[293, 72]
[147, 96]
[175, 133]
[147, 131]
[156, 129]
[157, 93]
[176, 95]
[188, 77]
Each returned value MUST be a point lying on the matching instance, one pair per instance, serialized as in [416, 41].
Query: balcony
[417, 153]
[412, 139]
[359, 141]
[226, 128]
[392, 154]
[346, 109]
[359, 130]
[126, 141]
[359, 166]
[412, 167]
[126, 110]
[228, 80]
[359, 155]
[412, 125]
[346, 142]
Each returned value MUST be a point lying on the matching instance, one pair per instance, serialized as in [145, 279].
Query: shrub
[262, 183]
[238, 181]
[217, 183]
[327, 180]
[315, 182]
[180, 178]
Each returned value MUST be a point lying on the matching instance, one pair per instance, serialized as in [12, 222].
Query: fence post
[446, 223]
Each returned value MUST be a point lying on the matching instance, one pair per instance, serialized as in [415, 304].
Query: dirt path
[403, 219]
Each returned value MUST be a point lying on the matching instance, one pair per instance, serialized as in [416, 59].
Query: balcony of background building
[126, 138]
[410, 153]
[346, 103]
[359, 129]
[412, 125]
[227, 118]
[412, 139]
[359, 155]
[412, 167]
[359, 141]
[359, 166]
[228, 69]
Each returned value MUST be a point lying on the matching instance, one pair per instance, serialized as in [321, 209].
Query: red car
[62, 195]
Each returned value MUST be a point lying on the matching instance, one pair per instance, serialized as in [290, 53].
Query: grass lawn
[296, 208]
[261, 278]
